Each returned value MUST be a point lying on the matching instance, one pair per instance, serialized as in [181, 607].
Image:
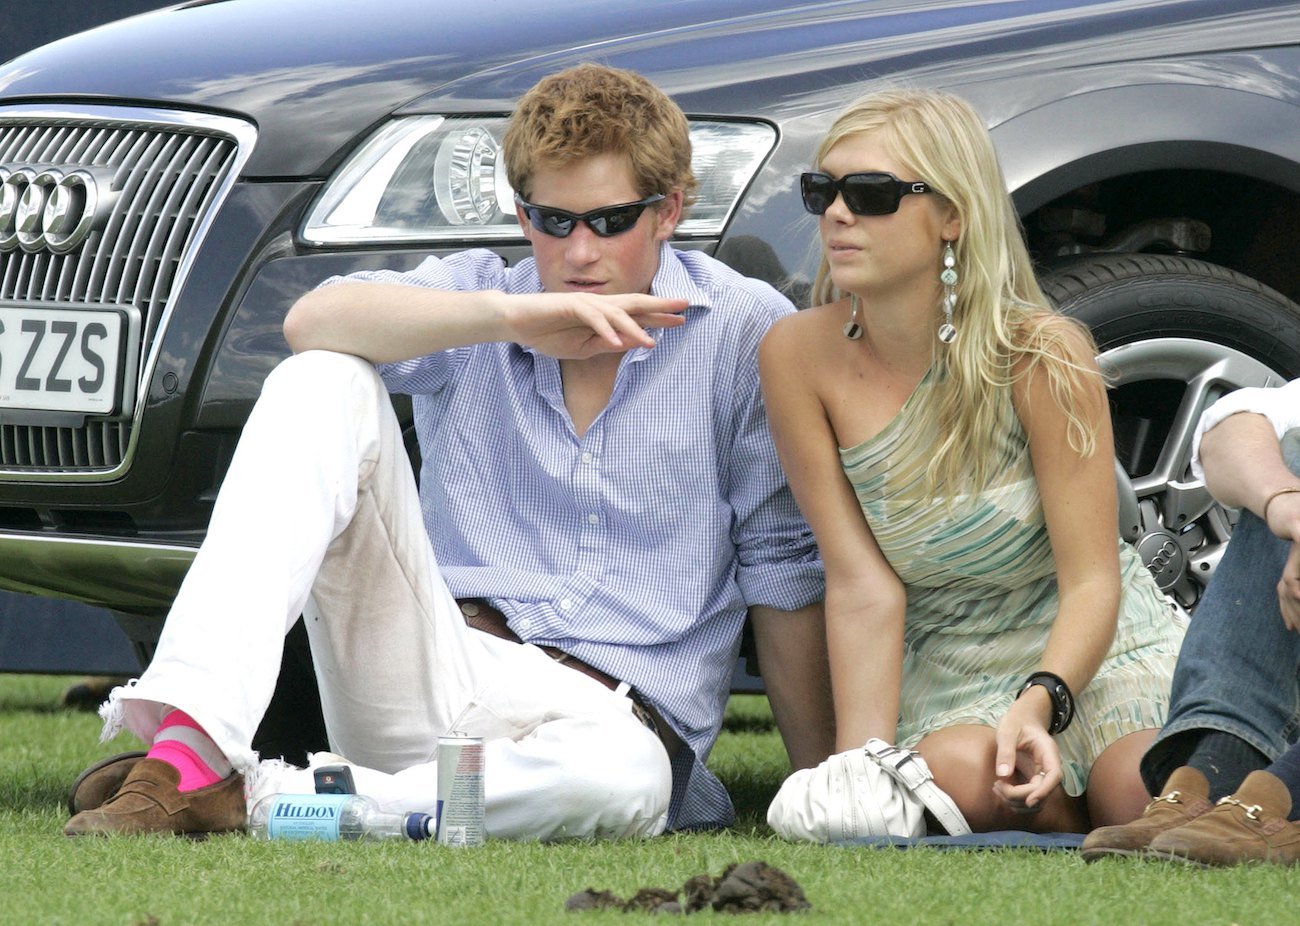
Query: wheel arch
[1217, 159]
[1095, 135]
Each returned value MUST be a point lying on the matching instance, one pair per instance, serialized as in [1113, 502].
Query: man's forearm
[792, 658]
[384, 322]
[1243, 462]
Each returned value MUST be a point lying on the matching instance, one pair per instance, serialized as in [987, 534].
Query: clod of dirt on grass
[746, 887]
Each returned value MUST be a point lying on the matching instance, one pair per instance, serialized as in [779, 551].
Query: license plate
[68, 360]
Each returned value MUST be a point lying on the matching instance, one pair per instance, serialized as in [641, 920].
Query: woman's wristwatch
[1059, 692]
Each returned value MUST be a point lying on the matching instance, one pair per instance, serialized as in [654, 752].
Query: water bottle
[332, 817]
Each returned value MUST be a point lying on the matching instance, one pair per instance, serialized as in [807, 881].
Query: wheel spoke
[1176, 455]
[1203, 562]
[1186, 592]
[1184, 502]
[1209, 371]
[1183, 529]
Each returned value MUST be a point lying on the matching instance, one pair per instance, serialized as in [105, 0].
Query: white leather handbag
[878, 790]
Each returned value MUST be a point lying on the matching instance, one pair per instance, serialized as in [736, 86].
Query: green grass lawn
[228, 880]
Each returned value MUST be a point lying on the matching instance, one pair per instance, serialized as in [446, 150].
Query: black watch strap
[1059, 692]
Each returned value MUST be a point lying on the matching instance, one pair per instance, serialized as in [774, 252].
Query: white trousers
[319, 515]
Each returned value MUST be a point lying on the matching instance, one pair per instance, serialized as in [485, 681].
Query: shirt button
[565, 604]
[526, 623]
[586, 457]
[593, 519]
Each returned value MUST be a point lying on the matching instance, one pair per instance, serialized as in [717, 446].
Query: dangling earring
[852, 330]
[948, 277]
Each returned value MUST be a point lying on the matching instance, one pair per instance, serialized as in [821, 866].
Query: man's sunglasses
[867, 193]
[605, 222]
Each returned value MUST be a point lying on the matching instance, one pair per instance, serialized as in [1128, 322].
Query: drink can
[460, 790]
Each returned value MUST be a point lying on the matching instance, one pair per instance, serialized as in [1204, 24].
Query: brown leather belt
[482, 616]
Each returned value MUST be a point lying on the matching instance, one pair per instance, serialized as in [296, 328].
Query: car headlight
[442, 178]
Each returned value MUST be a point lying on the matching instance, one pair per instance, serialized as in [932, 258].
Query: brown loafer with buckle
[148, 802]
[1185, 798]
[100, 782]
[1249, 826]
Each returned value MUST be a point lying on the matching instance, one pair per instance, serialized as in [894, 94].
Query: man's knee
[322, 372]
[321, 391]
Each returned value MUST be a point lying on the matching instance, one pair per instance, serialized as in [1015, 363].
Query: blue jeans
[1239, 667]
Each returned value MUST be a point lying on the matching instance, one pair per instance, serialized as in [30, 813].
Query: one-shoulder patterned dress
[982, 595]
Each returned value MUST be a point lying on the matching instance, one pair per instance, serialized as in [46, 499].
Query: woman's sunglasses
[867, 193]
[606, 222]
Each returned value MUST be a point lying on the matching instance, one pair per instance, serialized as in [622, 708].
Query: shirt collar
[673, 281]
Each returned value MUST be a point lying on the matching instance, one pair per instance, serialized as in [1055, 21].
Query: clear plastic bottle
[333, 817]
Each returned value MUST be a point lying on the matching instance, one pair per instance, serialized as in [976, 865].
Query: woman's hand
[1028, 763]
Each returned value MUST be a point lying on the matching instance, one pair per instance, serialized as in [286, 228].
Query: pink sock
[195, 773]
[183, 744]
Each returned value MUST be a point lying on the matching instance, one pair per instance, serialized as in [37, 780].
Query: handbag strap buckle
[909, 769]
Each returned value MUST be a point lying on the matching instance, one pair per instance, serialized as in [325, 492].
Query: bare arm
[394, 321]
[791, 649]
[1244, 468]
[1243, 463]
[1079, 504]
[865, 600]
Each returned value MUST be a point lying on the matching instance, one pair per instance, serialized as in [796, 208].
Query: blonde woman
[947, 438]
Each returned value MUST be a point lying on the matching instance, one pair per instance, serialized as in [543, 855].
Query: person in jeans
[1226, 767]
[599, 498]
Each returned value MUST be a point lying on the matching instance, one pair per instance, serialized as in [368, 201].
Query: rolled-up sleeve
[1281, 406]
[778, 564]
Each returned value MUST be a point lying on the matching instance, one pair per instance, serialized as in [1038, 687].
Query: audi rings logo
[1164, 558]
[48, 208]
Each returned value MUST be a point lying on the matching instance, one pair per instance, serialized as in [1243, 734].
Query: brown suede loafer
[149, 802]
[100, 782]
[1249, 826]
[1185, 798]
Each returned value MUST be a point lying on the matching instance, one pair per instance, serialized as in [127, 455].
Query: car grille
[169, 172]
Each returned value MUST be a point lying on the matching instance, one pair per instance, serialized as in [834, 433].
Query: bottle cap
[418, 825]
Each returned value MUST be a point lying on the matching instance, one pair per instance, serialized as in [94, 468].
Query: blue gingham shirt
[638, 547]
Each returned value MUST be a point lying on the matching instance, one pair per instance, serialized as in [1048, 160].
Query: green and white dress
[982, 596]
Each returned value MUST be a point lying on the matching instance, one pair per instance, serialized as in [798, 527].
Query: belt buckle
[640, 713]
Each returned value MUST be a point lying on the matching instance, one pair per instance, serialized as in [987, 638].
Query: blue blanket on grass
[1002, 839]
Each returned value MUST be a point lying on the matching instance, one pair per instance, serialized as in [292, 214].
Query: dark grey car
[169, 184]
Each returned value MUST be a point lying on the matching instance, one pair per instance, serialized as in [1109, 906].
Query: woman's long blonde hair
[1006, 326]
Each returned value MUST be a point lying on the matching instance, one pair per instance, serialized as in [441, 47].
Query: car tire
[1129, 297]
[1174, 334]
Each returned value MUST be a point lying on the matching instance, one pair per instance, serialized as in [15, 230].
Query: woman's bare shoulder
[810, 325]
